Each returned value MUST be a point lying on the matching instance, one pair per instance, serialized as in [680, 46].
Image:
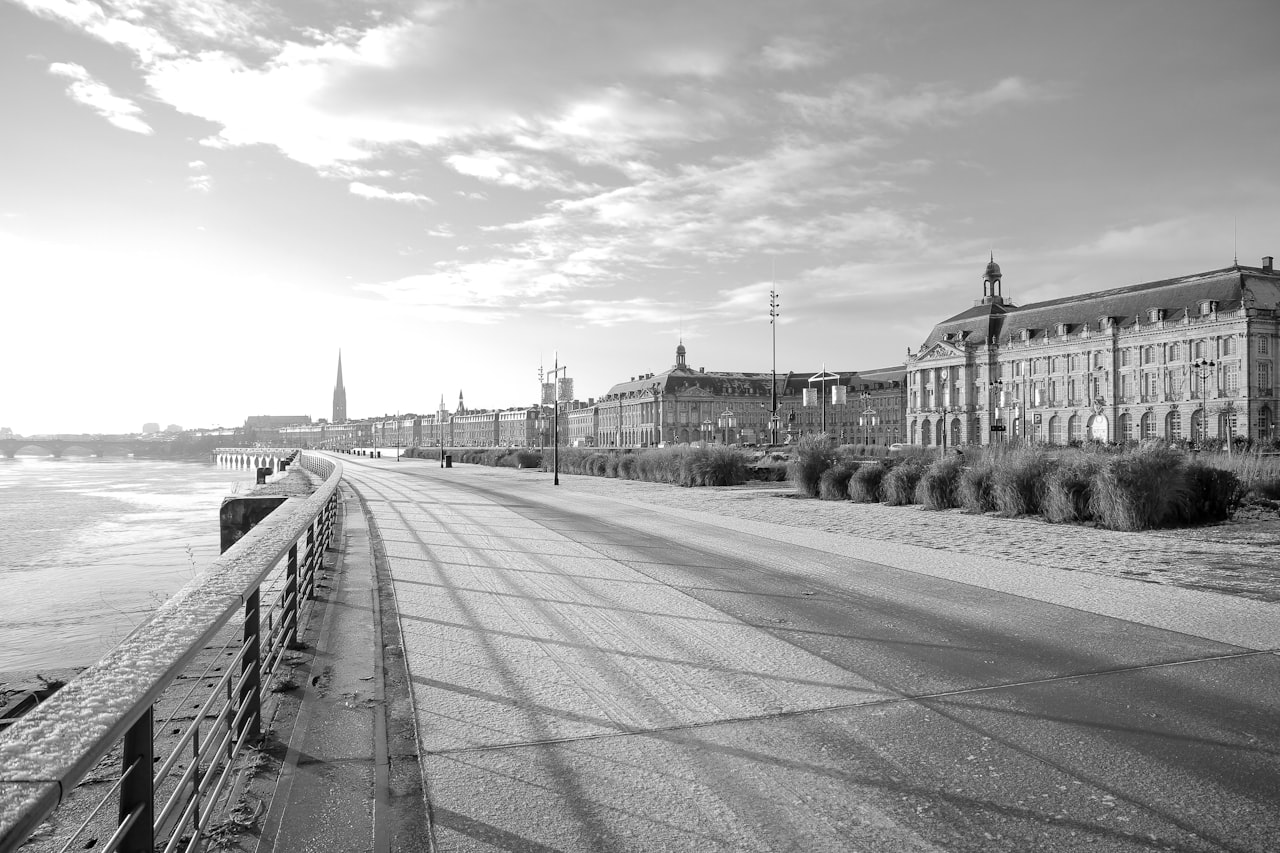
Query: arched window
[1148, 426]
[1075, 428]
[1126, 427]
[1173, 425]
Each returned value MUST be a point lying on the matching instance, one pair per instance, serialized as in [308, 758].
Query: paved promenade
[616, 666]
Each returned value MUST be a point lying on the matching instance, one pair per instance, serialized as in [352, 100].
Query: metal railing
[193, 654]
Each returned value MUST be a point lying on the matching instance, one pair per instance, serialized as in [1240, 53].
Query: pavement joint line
[843, 706]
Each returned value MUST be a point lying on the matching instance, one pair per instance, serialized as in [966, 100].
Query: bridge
[59, 447]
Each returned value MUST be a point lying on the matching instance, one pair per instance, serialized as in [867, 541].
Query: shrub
[1018, 481]
[769, 471]
[597, 464]
[833, 485]
[813, 456]
[899, 485]
[1069, 489]
[1141, 490]
[864, 485]
[626, 469]
[1214, 493]
[974, 489]
[528, 459]
[939, 485]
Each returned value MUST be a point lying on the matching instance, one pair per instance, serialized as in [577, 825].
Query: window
[1149, 355]
[1207, 307]
[1073, 393]
[1126, 357]
[1262, 345]
[1126, 427]
[1175, 352]
[1229, 345]
[1199, 350]
[1173, 424]
[1126, 388]
[1151, 386]
[1231, 372]
[1264, 377]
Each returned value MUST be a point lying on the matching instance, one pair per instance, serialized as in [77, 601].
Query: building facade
[1189, 358]
[682, 405]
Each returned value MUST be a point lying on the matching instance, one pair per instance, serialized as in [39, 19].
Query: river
[90, 546]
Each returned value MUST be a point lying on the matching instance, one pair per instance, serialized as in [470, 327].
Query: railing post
[292, 605]
[137, 794]
[250, 697]
[312, 562]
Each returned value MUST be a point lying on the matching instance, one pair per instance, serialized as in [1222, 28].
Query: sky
[203, 201]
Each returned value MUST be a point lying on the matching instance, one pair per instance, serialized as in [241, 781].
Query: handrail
[46, 753]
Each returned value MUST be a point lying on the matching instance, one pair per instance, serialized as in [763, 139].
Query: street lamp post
[555, 420]
[823, 377]
[773, 376]
[727, 422]
[1203, 367]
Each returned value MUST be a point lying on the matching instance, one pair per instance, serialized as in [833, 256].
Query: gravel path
[1232, 559]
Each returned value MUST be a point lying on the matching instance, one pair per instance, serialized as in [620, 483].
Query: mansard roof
[743, 384]
[1127, 306]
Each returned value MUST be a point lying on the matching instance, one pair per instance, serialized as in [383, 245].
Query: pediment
[941, 349]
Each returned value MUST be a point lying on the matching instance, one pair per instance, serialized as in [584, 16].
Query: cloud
[514, 170]
[370, 191]
[873, 99]
[790, 54]
[83, 89]
[199, 180]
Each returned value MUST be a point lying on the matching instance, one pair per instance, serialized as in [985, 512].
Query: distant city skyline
[203, 202]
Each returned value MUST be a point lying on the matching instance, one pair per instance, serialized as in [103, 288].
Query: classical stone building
[1184, 358]
[683, 405]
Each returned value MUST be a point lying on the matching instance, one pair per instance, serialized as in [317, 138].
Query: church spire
[339, 396]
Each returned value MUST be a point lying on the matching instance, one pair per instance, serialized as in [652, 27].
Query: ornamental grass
[813, 455]
[974, 489]
[833, 485]
[1018, 482]
[1069, 489]
[865, 484]
[899, 485]
[939, 485]
[1141, 490]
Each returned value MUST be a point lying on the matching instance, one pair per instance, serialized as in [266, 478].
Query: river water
[90, 546]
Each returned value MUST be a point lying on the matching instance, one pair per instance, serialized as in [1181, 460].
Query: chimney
[1267, 263]
[702, 370]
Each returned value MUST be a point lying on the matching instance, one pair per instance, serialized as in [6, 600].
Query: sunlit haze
[202, 202]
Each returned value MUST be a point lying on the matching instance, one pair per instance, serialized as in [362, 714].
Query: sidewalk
[349, 778]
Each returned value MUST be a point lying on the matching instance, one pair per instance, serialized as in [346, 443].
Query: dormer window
[1156, 314]
[1208, 306]
[1026, 335]
[1062, 330]
[1104, 323]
